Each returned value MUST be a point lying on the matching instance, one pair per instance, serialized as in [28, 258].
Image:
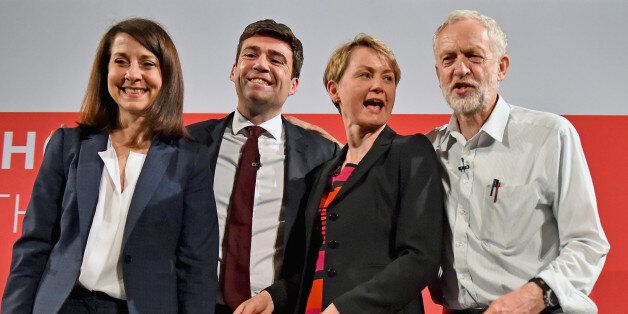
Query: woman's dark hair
[164, 117]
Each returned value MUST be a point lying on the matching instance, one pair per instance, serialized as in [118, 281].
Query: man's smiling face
[263, 74]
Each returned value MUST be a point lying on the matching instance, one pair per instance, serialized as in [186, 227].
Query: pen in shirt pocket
[495, 189]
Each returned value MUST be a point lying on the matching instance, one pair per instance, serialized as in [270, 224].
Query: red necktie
[236, 278]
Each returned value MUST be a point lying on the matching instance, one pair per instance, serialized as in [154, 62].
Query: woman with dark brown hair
[122, 217]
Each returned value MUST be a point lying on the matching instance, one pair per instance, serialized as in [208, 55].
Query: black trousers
[83, 301]
[553, 310]
[223, 309]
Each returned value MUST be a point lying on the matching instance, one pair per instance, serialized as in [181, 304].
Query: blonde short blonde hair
[339, 60]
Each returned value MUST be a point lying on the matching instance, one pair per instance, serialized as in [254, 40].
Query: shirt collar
[274, 126]
[494, 126]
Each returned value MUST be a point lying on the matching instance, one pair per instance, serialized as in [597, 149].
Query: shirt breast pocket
[506, 216]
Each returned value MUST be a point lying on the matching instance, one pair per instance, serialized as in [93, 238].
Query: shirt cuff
[571, 299]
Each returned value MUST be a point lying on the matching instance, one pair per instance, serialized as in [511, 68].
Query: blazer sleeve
[40, 230]
[417, 239]
[284, 292]
[197, 251]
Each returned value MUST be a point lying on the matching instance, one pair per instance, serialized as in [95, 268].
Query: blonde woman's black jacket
[386, 222]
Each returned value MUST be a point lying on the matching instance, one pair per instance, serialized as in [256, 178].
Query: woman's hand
[260, 303]
[331, 309]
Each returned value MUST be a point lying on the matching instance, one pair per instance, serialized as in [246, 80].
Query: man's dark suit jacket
[170, 243]
[305, 150]
[386, 222]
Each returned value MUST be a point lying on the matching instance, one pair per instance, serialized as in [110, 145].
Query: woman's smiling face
[134, 75]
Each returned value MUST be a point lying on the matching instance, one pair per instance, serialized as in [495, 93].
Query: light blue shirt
[268, 221]
[543, 222]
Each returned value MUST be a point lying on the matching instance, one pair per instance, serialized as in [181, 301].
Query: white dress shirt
[268, 221]
[543, 222]
[101, 270]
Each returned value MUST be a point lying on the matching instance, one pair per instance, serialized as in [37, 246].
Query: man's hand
[527, 299]
[314, 128]
[331, 309]
[261, 303]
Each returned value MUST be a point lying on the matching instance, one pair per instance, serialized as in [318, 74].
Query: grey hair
[495, 33]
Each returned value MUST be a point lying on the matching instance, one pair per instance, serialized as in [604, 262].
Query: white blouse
[101, 270]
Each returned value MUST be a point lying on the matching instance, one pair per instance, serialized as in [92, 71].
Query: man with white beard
[524, 234]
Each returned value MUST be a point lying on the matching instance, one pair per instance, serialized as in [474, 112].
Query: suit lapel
[214, 139]
[155, 165]
[381, 145]
[296, 168]
[88, 176]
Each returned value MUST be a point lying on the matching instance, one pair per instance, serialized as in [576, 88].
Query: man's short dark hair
[279, 31]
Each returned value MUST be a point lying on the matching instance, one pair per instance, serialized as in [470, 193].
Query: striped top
[315, 299]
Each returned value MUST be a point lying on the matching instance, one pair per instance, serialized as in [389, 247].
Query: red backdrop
[23, 136]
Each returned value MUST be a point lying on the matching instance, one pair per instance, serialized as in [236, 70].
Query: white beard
[468, 104]
[475, 100]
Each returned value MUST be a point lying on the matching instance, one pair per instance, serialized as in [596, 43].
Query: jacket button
[128, 259]
[332, 244]
[333, 216]
[331, 272]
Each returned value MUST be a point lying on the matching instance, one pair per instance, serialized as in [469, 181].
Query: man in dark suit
[265, 73]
